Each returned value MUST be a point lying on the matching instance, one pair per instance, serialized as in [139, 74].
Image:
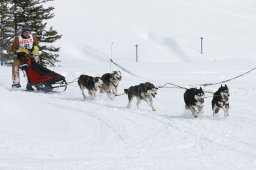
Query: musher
[25, 41]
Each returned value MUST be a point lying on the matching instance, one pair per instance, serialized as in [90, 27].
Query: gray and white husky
[143, 91]
[221, 100]
[194, 100]
[92, 84]
[110, 83]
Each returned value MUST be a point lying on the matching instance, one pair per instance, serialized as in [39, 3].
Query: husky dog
[110, 82]
[92, 84]
[194, 100]
[220, 100]
[144, 91]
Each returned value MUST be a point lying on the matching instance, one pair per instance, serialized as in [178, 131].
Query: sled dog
[144, 91]
[221, 100]
[92, 84]
[110, 83]
[194, 100]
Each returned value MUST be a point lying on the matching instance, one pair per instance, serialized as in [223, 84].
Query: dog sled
[39, 76]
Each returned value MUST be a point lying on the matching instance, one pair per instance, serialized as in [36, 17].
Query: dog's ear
[97, 79]
[226, 86]
[201, 89]
[146, 84]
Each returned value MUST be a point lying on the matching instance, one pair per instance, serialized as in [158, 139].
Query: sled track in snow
[167, 122]
[100, 118]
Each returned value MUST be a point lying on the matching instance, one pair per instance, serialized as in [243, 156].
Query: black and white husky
[110, 83]
[144, 91]
[221, 100]
[92, 84]
[194, 100]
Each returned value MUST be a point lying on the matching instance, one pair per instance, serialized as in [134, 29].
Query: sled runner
[39, 76]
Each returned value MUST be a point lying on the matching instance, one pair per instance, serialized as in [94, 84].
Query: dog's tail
[126, 91]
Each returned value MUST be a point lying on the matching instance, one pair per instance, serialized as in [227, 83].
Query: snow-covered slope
[61, 131]
[165, 30]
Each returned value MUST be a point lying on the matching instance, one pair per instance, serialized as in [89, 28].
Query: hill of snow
[165, 30]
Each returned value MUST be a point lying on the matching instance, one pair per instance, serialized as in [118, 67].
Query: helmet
[35, 51]
[25, 29]
[22, 50]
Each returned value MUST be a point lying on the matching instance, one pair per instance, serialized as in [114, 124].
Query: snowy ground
[61, 131]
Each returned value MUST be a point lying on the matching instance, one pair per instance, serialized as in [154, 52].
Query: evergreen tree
[6, 32]
[35, 15]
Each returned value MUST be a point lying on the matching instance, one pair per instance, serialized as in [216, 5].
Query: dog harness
[114, 84]
[222, 102]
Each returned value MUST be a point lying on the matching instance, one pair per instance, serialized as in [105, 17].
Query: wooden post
[137, 57]
[111, 51]
[201, 45]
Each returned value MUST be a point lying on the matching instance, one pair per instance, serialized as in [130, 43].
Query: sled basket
[41, 77]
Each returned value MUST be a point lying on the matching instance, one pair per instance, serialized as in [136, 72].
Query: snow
[61, 131]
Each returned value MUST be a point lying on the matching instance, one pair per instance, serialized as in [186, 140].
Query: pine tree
[35, 15]
[6, 32]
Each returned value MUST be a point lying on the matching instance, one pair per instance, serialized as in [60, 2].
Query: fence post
[137, 57]
[201, 45]
[111, 51]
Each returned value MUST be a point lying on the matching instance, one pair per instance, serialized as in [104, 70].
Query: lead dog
[110, 83]
[92, 84]
[194, 100]
[221, 100]
[144, 91]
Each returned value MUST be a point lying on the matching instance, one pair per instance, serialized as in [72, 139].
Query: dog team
[193, 97]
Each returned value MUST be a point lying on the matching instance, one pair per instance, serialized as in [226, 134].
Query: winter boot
[16, 85]
[29, 87]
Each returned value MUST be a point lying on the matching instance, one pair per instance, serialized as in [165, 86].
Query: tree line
[33, 13]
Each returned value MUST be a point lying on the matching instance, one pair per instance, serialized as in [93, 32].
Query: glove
[22, 57]
[27, 55]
